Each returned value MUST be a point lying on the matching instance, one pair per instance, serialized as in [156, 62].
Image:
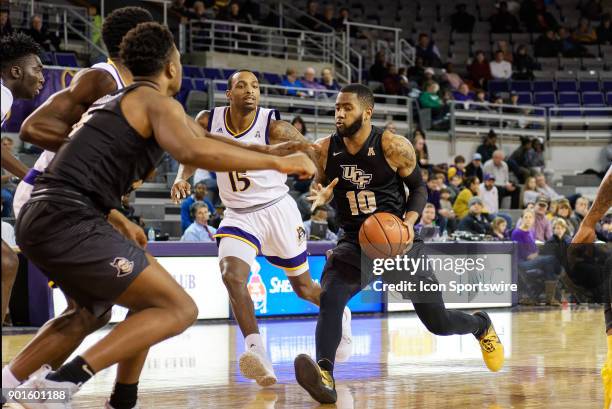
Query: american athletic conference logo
[356, 176]
[123, 265]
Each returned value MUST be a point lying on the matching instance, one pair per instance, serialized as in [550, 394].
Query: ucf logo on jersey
[356, 176]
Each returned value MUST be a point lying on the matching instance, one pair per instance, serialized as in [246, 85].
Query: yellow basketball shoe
[318, 383]
[490, 345]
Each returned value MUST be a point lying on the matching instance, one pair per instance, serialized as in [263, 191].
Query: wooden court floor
[553, 359]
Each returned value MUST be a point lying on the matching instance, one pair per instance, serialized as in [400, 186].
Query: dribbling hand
[320, 195]
[180, 190]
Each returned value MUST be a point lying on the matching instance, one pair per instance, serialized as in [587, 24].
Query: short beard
[351, 129]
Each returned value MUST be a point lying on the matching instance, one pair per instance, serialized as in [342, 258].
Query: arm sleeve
[417, 199]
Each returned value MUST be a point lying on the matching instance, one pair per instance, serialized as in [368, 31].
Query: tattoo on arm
[283, 131]
[400, 154]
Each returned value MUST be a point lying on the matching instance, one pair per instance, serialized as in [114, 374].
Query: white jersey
[6, 102]
[241, 190]
[24, 189]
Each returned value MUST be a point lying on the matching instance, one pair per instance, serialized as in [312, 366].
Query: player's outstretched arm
[603, 201]
[49, 125]
[13, 165]
[171, 128]
[285, 139]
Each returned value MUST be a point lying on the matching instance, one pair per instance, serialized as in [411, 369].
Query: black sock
[483, 327]
[124, 395]
[76, 371]
[326, 365]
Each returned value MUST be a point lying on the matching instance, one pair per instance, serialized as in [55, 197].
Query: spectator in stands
[234, 14]
[328, 80]
[592, 10]
[517, 159]
[5, 23]
[41, 35]
[450, 76]
[428, 51]
[461, 20]
[535, 156]
[217, 217]
[416, 73]
[446, 208]
[547, 45]
[497, 167]
[457, 168]
[603, 229]
[378, 70]
[199, 230]
[250, 8]
[292, 81]
[391, 127]
[529, 192]
[604, 30]
[463, 94]
[580, 210]
[542, 228]
[199, 195]
[179, 8]
[328, 19]
[317, 227]
[488, 146]
[309, 81]
[433, 192]
[405, 85]
[430, 99]
[427, 220]
[455, 185]
[524, 65]
[311, 22]
[475, 221]
[489, 194]
[419, 142]
[479, 70]
[200, 12]
[499, 229]
[461, 206]
[481, 99]
[425, 174]
[503, 21]
[541, 20]
[8, 144]
[564, 212]
[585, 33]
[503, 46]
[544, 188]
[299, 124]
[500, 69]
[570, 48]
[391, 83]
[474, 168]
[342, 19]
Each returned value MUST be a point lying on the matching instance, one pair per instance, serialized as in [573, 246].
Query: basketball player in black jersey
[49, 127]
[366, 169]
[63, 228]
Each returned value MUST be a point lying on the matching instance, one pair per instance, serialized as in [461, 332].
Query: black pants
[514, 196]
[343, 278]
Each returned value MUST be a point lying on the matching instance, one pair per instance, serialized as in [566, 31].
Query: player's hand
[319, 195]
[134, 232]
[289, 147]
[410, 226]
[297, 164]
[180, 190]
[584, 235]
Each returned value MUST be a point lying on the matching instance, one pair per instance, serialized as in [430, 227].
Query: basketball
[383, 235]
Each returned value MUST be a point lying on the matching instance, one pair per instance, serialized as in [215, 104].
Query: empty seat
[571, 64]
[589, 86]
[593, 99]
[525, 98]
[545, 99]
[47, 58]
[227, 73]
[520, 86]
[192, 71]
[607, 86]
[66, 59]
[609, 98]
[200, 84]
[186, 87]
[567, 86]
[497, 86]
[212, 73]
[569, 99]
[272, 78]
[543, 86]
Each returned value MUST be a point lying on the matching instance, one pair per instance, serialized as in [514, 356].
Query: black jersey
[105, 157]
[366, 182]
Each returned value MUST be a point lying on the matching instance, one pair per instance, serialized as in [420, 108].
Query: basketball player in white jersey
[48, 127]
[22, 77]
[261, 218]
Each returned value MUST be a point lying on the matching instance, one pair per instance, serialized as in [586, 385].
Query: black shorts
[74, 245]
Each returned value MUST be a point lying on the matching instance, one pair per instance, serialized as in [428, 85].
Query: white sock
[254, 340]
[8, 379]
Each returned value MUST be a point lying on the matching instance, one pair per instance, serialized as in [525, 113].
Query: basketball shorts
[73, 244]
[24, 191]
[276, 232]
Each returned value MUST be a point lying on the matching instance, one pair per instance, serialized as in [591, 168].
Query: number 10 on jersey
[364, 202]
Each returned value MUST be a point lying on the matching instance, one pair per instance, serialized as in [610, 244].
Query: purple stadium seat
[227, 73]
[567, 86]
[66, 59]
[192, 71]
[221, 87]
[546, 99]
[48, 58]
[212, 73]
[525, 98]
[497, 86]
[609, 98]
[593, 99]
[200, 84]
[607, 86]
[520, 86]
[589, 86]
[569, 99]
[543, 86]
[272, 78]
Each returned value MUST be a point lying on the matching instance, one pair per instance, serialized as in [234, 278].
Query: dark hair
[146, 49]
[301, 121]
[470, 181]
[195, 207]
[16, 46]
[229, 79]
[117, 24]
[459, 158]
[423, 35]
[425, 150]
[364, 94]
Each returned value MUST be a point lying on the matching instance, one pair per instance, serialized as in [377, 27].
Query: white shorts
[22, 195]
[276, 232]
